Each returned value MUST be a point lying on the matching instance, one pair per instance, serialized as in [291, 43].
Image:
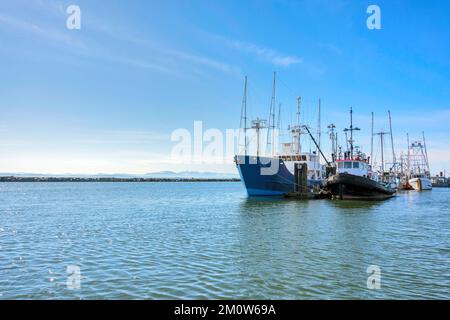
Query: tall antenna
[351, 129]
[371, 144]
[394, 160]
[244, 115]
[426, 152]
[337, 145]
[346, 140]
[272, 115]
[318, 130]
[408, 162]
[333, 138]
[279, 124]
[382, 134]
[258, 124]
[299, 100]
[279, 117]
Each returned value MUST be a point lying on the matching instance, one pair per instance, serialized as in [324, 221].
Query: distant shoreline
[112, 179]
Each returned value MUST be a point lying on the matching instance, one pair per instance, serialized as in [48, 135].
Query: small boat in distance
[440, 181]
[354, 178]
[418, 169]
[420, 182]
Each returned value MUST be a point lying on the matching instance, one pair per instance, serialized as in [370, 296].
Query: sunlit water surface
[207, 240]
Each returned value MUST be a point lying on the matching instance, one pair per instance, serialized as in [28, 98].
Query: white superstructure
[417, 166]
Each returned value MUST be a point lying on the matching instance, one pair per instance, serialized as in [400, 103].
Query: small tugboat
[354, 178]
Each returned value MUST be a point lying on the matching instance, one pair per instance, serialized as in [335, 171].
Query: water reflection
[206, 240]
[351, 205]
[284, 240]
[279, 204]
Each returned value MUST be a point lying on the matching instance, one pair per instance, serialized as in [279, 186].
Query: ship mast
[279, 125]
[319, 134]
[333, 139]
[258, 124]
[394, 160]
[271, 128]
[299, 100]
[371, 144]
[279, 117]
[408, 162]
[346, 141]
[381, 134]
[244, 115]
[351, 129]
[426, 152]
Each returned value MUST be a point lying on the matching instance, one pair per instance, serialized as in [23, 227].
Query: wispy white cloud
[201, 60]
[141, 64]
[51, 34]
[331, 48]
[123, 137]
[171, 55]
[259, 52]
[56, 7]
[88, 137]
[162, 59]
[67, 39]
[266, 54]
[419, 120]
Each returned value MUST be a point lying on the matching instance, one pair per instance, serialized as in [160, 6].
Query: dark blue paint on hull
[267, 185]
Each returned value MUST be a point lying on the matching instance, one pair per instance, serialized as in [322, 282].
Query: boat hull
[420, 184]
[280, 183]
[346, 186]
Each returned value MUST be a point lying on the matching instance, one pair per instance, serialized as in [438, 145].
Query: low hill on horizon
[159, 174]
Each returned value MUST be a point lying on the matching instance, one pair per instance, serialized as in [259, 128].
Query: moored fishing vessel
[420, 182]
[417, 175]
[354, 178]
[275, 174]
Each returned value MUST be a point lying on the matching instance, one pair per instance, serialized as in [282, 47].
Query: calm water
[207, 240]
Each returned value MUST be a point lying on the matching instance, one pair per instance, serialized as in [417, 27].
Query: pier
[301, 190]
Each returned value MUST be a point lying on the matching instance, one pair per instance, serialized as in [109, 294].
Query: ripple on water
[207, 240]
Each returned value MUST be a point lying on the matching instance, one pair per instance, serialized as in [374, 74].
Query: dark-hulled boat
[355, 180]
[354, 177]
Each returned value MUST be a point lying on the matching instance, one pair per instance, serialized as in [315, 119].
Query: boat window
[347, 165]
[340, 165]
[355, 165]
[303, 157]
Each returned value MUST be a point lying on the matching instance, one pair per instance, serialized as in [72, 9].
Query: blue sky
[107, 97]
